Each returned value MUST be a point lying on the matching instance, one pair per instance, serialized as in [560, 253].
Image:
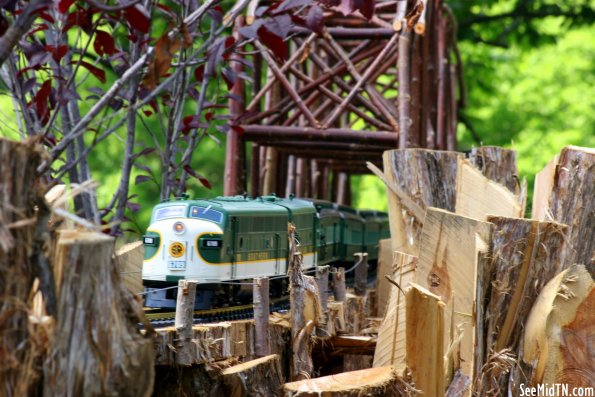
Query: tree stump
[497, 164]
[21, 238]
[97, 348]
[260, 377]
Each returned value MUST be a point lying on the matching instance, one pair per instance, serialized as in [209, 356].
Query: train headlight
[179, 228]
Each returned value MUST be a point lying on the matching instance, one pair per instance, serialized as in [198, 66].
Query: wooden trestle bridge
[341, 98]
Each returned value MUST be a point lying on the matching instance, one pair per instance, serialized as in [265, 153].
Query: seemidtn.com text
[556, 390]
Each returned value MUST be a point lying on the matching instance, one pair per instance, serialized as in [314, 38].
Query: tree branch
[21, 25]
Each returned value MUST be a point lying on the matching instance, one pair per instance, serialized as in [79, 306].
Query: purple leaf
[315, 19]
[279, 25]
[274, 43]
[134, 207]
[347, 7]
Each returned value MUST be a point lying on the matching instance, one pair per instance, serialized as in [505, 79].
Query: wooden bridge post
[261, 316]
[339, 284]
[183, 322]
[361, 274]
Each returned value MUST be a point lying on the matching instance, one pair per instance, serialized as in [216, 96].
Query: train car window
[241, 242]
[206, 214]
[175, 211]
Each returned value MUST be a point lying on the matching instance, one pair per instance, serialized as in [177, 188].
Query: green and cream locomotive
[225, 239]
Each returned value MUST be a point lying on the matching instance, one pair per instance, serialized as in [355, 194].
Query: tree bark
[497, 164]
[19, 193]
[572, 203]
[184, 322]
[339, 291]
[430, 179]
[526, 254]
[96, 347]
[261, 317]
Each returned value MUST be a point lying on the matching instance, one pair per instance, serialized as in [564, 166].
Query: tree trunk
[20, 242]
[260, 377]
[378, 382]
[525, 255]
[97, 348]
[572, 203]
[429, 177]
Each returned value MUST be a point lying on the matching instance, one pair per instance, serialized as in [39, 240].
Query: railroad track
[161, 319]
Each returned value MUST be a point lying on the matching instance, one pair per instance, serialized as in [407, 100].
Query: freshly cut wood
[20, 256]
[390, 348]
[477, 196]
[184, 321]
[525, 255]
[384, 268]
[452, 246]
[129, 260]
[497, 164]
[429, 177]
[378, 382]
[261, 316]
[242, 334]
[305, 312]
[557, 343]
[96, 345]
[572, 203]
[425, 340]
[336, 318]
[544, 182]
[355, 314]
[260, 377]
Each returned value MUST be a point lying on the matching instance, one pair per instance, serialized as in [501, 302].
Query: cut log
[129, 259]
[261, 316]
[339, 290]
[497, 164]
[452, 246]
[390, 348]
[355, 314]
[425, 340]
[336, 318]
[20, 192]
[525, 255]
[558, 338]
[305, 312]
[429, 177]
[361, 274]
[384, 268]
[378, 382]
[260, 377]
[184, 321]
[478, 196]
[96, 345]
[544, 183]
[356, 362]
[572, 203]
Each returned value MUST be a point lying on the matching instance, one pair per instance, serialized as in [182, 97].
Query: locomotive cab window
[174, 211]
[207, 214]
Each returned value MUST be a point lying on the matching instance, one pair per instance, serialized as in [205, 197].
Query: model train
[217, 241]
